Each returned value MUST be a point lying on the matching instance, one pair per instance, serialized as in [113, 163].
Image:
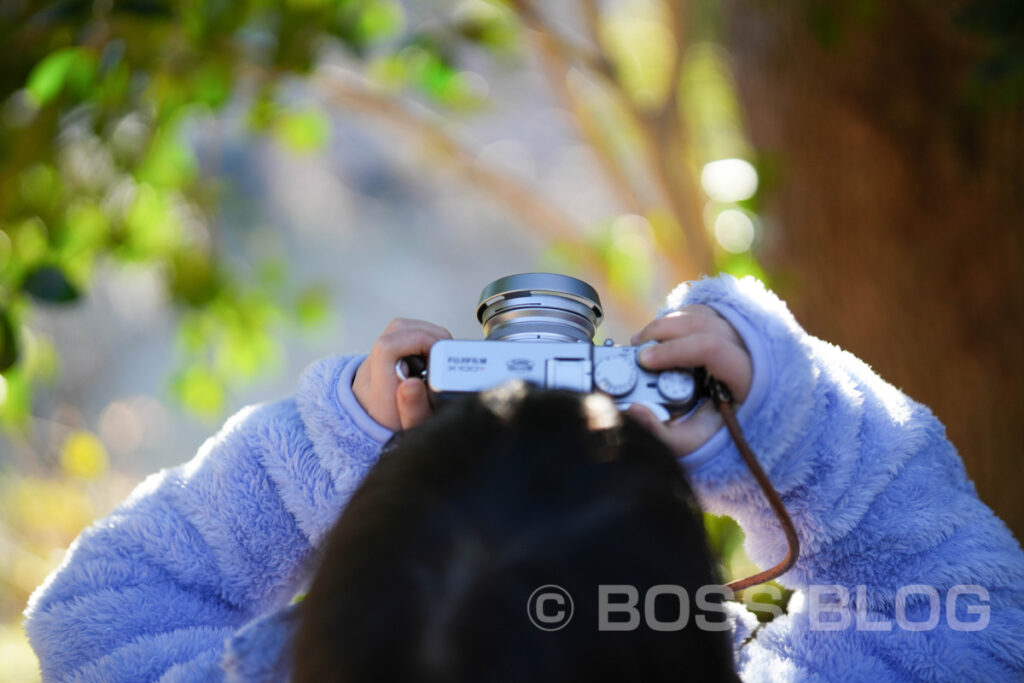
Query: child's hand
[695, 336]
[392, 404]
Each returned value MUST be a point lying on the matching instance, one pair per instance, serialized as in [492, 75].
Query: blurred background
[197, 199]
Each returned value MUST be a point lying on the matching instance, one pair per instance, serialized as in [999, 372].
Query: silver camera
[539, 328]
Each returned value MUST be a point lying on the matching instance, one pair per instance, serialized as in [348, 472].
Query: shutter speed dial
[616, 375]
[676, 387]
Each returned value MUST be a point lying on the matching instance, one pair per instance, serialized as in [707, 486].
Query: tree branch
[664, 142]
[668, 142]
[554, 54]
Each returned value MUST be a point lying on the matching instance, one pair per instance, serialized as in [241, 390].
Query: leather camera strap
[723, 401]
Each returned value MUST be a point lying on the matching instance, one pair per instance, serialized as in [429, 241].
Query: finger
[686, 323]
[695, 309]
[686, 436]
[648, 420]
[407, 342]
[398, 324]
[691, 320]
[722, 359]
[413, 404]
[683, 437]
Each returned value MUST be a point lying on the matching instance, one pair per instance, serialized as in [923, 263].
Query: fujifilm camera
[539, 328]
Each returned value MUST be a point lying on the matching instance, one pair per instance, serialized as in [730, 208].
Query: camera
[539, 328]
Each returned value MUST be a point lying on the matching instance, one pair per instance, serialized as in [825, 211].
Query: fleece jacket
[904, 574]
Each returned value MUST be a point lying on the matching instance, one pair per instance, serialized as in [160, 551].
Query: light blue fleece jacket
[190, 578]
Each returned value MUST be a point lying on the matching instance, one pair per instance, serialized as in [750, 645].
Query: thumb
[648, 420]
[413, 404]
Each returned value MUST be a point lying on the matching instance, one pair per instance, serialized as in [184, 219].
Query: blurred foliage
[725, 538]
[98, 172]
[96, 168]
[39, 517]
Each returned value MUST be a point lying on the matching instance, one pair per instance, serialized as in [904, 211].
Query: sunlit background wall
[199, 199]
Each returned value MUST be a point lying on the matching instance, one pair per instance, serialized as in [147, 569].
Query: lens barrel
[539, 307]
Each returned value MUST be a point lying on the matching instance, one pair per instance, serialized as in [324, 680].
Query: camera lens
[540, 307]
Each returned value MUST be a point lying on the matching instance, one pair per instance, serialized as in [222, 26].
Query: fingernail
[645, 355]
[410, 388]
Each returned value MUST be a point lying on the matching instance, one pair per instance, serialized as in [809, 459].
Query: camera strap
[723, 402]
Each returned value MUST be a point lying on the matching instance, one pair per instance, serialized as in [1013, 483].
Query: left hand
[694, 336]
[392, 404]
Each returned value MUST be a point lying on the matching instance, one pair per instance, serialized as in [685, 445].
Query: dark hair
[427, 574]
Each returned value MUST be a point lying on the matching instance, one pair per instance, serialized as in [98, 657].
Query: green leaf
[85, 227]
[194, 279]
[246, 353]
[70, 66]
[48, 284]
[30, 240]
[464, 90]
[212, 85]
[724, 536]
[490, 24]
[263, 111]
[40, 186]
[8, 342]
[15, 399]
[430, 72]
[307, 5]
[200, 391]
[195, 331]
[47, 78]
[168, 162]
[112, 87]
[39, 360]
[154, 228]
[312, 307]
[303, 131]
[79, 268]
[6, 249]
[379, 20]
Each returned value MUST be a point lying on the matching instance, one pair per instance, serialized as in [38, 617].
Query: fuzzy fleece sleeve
[156, 589]
[881, 502]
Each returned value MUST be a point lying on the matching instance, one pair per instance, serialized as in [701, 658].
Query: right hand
[695, 336]
[393, 404]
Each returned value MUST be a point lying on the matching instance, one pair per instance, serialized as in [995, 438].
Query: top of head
[542, 307]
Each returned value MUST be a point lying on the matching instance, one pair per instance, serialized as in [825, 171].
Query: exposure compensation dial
[616, 375]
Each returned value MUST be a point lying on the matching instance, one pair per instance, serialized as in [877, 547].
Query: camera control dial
[676, 386]
[616, 375]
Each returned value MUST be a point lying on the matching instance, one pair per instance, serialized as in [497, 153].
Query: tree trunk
[895, 208]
